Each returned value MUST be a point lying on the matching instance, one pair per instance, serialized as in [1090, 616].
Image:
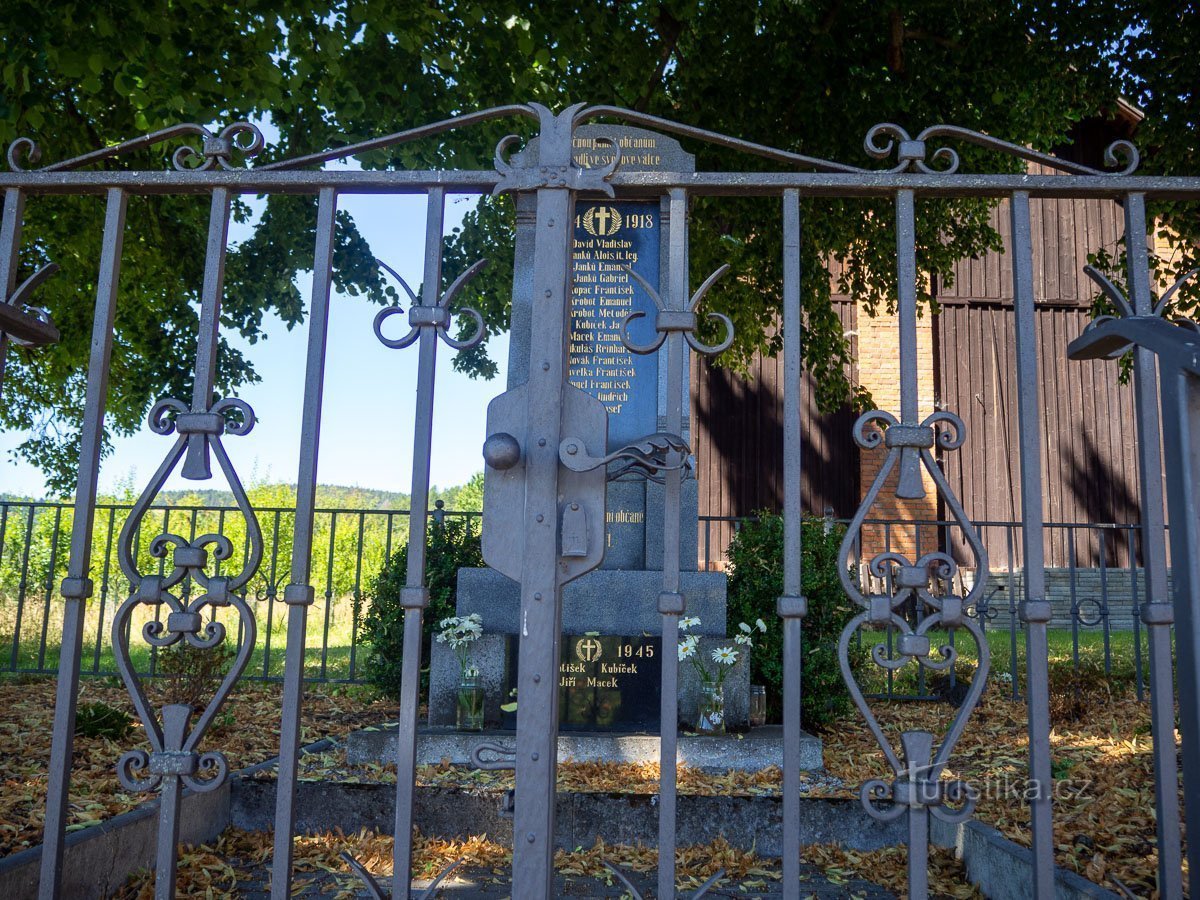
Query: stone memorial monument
[611, 611]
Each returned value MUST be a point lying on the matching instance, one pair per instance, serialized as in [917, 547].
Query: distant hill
[329, 496]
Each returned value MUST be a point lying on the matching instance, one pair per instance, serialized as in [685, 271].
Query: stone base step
[750, 751]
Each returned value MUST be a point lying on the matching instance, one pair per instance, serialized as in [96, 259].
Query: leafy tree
[810, 77]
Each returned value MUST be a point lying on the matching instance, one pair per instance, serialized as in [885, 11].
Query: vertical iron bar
[1104, 629]
[541, 591]
[416, 597]
[1181, 443]
[1074, 599]
[77, 587]
[906, 288]
[1013, 667]
[1135, 611]
[298, 595]
[1035, 609]
[272, 582]
[677, 270]
[356, 597]
[1157, 619]
[51, 565]
[328, 593]
[22, 586]
[791, 606]
[104, 584]
[10, 251]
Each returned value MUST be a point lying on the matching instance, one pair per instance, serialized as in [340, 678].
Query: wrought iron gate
[546, 459]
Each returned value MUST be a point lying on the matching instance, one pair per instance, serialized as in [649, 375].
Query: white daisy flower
[686, 650]
[692, 639]
[726, 656]
[762, 626]
[742, 639]
[688, 622]
[744, 627]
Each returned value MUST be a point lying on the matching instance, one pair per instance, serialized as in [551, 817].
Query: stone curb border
[99, 859]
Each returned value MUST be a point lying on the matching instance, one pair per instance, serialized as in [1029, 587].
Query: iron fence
[350, 548]
[546, 457]
[1096, 624]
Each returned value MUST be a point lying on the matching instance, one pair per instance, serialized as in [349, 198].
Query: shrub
[755, 583]
[451, 546]
[99, 720]
[191, 675]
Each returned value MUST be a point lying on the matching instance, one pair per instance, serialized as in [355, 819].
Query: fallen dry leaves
[247, 731]
[239, 860]
[1103, 767]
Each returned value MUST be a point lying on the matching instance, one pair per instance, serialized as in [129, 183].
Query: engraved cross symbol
[588, 649]
[602, 216]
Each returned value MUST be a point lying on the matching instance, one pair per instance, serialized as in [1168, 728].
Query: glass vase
[710, 714]
[470, 704]
[758, 705]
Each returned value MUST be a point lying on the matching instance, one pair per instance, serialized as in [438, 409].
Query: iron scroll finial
[885, 137]
[436, 316]
[556, 165]
[681, 320]
[216, 149]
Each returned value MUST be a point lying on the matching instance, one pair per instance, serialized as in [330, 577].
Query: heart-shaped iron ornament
[928, 586]
[174, 746]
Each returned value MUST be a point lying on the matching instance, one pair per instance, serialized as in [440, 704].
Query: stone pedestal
[610, 239]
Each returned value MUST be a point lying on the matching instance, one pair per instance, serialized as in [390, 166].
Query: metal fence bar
[415, 595]
[1157, 614]
[77, 586]
[10, 251]
[791, 605]
[671, 603]
[298, 595]
[1035, 609]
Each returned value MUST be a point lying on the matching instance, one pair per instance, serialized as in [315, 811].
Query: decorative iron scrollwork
[885, 137]
[637, 895]
[929, 583]
[653, 454]
[1125, 307]
[215, 149]
[174, 745]
[36, 327]
[680, 320]
[436, 316]
[554, 175]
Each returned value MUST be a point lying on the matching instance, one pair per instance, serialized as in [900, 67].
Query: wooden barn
[967, 367]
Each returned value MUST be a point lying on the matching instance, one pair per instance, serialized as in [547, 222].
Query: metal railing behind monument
[1095, 583]
[350, 548]
[1097, 590]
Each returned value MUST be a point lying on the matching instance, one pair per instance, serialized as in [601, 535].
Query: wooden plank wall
[737, 437]
[1089, 465]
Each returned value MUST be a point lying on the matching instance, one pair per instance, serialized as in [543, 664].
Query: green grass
[338, 649]
[1118, 668]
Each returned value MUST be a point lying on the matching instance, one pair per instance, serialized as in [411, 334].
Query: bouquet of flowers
[724, 658]
[460, 632]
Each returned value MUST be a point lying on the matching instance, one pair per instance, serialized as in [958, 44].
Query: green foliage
[449, 547]
[99, 720]
[755, 584]
[807, 77]
[190, 675]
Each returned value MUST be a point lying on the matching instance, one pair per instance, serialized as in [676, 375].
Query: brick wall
[879, 373]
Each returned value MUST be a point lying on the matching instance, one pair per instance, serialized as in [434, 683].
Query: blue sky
[366, 435]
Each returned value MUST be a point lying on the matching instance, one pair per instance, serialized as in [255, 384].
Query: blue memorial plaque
[610, 239]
